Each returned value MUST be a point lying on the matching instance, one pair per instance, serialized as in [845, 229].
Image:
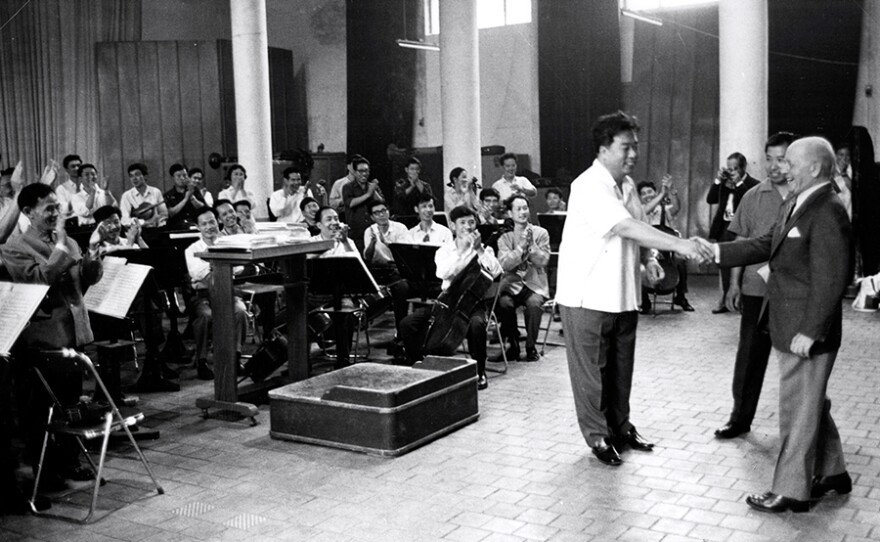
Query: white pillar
[627, 47]
[743, 50]
[866, 112]
[250, 63]
[460, 86]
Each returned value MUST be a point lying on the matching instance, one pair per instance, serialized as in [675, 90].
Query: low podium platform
[377, 409]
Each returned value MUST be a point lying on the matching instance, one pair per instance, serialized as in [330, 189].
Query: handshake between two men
[696, 249]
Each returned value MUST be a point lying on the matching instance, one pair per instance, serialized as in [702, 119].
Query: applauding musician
[142, 201]
[184, 199]
[451, 258]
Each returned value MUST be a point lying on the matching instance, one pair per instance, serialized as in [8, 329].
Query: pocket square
[794, 232]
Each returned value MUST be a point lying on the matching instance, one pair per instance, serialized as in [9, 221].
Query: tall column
[253, 121]
[742, 66]
[460, 86]
[866, 112]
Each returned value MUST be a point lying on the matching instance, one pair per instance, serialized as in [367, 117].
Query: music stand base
[246, 410]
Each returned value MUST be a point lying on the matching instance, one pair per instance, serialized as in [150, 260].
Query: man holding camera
[728, 189]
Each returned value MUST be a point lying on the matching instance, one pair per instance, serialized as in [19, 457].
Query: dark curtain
[579, 79]
[48, 86]
[381, 80]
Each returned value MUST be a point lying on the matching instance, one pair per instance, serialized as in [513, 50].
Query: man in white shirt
[510, 183]
[428, 232]
[200, 273]
[142, 201]
[284, 203]
[90, 197]
[336, 199]
[67, 184]
[599, 283]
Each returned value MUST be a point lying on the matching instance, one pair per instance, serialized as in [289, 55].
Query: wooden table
[293, 265]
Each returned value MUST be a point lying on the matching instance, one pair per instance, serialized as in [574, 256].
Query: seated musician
[236, 191]
[452, 257]
[108, 237]
[91, 196]
[245, 219]
[655, 205]
[285, 202]
[197, 179]
[428, 232]
[183, 200]
[555, 203]
[44, 254]
[331, 229]
[201, 277]
[227, 217]
[490, 207]
[309, 208]
[142, 202]
[524, 254]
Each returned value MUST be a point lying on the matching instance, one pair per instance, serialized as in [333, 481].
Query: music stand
[441, 218]
[554, 224]
[340, 276]
[416, 264]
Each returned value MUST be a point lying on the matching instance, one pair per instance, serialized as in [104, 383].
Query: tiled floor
[522, 472]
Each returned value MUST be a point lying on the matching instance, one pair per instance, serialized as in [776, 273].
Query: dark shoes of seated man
[731, 430]
[607, 450]
[482, 381]
[836, 484]
[513, 354]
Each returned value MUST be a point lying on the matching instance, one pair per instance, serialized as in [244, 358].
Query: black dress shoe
[607, 454]
[720, 310]
[634, 440]
[731, 430]
[839, 484]
[532, 355]
[482, 382]
[684, 304]
[775, 504]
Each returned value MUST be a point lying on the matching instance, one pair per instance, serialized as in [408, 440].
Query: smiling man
[599, 283]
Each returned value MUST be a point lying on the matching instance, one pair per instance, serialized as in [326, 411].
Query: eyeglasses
[363, 170]
[380, 212]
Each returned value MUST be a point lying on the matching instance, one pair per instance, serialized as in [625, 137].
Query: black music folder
[553, 223]
[415, 262]
[340, 276]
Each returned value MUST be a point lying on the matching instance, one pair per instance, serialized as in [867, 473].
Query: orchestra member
[331, 229]
[236, 175]
[197, 179]
[451, 258]
[228, 217]
[555, 203]
[510, 183]
[524, 254]
[309, 208]
[108, 237]
[183, 200]
[336, 199]
[285, 203]
[409, 190]
[67, 183]
[142, 202]
[245, 219]
[428, 232]
[461, 190]
[91, 195]
[490, 207]
[356, 197]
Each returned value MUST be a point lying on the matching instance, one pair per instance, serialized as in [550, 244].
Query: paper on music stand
[114, 293]
[17, 304]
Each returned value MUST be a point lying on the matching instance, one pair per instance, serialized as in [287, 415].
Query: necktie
[788, 210]
[427, 238]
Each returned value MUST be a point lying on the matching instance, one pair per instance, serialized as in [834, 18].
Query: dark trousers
[600, 347]
[507, 304]
[399, 289]
[751, 361]
[414, 329]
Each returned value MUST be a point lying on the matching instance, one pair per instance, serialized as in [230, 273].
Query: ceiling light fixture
[637, 16]
[413, 44]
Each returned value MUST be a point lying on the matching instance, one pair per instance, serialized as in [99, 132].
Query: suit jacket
[809, 270]
[61, 319]
[533, 271]
[719, 194]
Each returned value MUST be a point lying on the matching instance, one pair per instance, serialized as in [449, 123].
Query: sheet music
[114, 293]
[17, 304]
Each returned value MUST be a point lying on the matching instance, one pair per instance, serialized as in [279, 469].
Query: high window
[490, 13]
[648, 5]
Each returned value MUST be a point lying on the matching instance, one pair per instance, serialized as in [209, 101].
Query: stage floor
[521, 472]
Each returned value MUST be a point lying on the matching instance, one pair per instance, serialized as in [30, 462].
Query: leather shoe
[532, 355]
[607, 454]
[634, 440]
[731, 430]
[775, 504]
[684, 304]
[839, 484]
[482, 382]
[720, 310]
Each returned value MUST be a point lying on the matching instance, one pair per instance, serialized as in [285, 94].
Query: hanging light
[640, 17]
[413, 44]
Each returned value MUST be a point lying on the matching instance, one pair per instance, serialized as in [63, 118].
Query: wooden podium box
[377, 409]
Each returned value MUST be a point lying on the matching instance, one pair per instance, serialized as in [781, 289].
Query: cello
[667, 260]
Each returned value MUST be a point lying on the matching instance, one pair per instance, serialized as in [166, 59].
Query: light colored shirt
[131, 199]
[65, 193]
[82, 211]
[234, 195]
[452, 199]
[199, 269]
[339, 248]
[525, 268]
[285, 207]
[397, 233]
[505, 188]
[755, 216]
[437, 235]
[450, 262]
[599, 269]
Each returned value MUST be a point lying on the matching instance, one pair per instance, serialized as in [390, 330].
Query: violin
[667, 260]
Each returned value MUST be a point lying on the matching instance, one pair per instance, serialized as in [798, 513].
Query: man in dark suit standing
[808, 252]
[729, 187]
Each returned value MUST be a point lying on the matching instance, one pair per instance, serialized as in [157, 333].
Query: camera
[726, 175]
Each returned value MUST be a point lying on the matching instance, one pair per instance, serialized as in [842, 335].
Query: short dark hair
[234, 167]
[779, 139]
[7, 171]
[352, 158]
[375, 203]
[645, 184]
[609, 126]
[740, 160]
[80, 169]
[305, 201]
[460, 212]
[195, 170]
[175, 168]
[507, 156]
[413, 160]
[242, 202]
[70, 158]
[291, 169]
[220, 202]
[424, 197]
[508, 203]
[202, 210]
[488, 193]
[843, 145]
[321, 210]
[456, 171]
[31, 194]
[139, 167]
[358, 161]
[553, 190]
[103, 213]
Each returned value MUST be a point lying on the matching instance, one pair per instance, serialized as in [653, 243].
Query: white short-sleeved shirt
[397, 233]
[599, 270]
[504, 187]
[437, 235]
[132, 199]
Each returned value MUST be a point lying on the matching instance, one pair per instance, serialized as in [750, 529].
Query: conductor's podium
[377, 409]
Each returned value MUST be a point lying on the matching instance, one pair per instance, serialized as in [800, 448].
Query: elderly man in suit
[808, 252]
[729, 187]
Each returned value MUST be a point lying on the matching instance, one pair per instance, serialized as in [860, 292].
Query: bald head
[810, 161]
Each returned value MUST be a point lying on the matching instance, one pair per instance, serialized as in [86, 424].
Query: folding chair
[113, 421]
[492, 320]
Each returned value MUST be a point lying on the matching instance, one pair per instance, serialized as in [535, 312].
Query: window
[647, 5]
[490, 13]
